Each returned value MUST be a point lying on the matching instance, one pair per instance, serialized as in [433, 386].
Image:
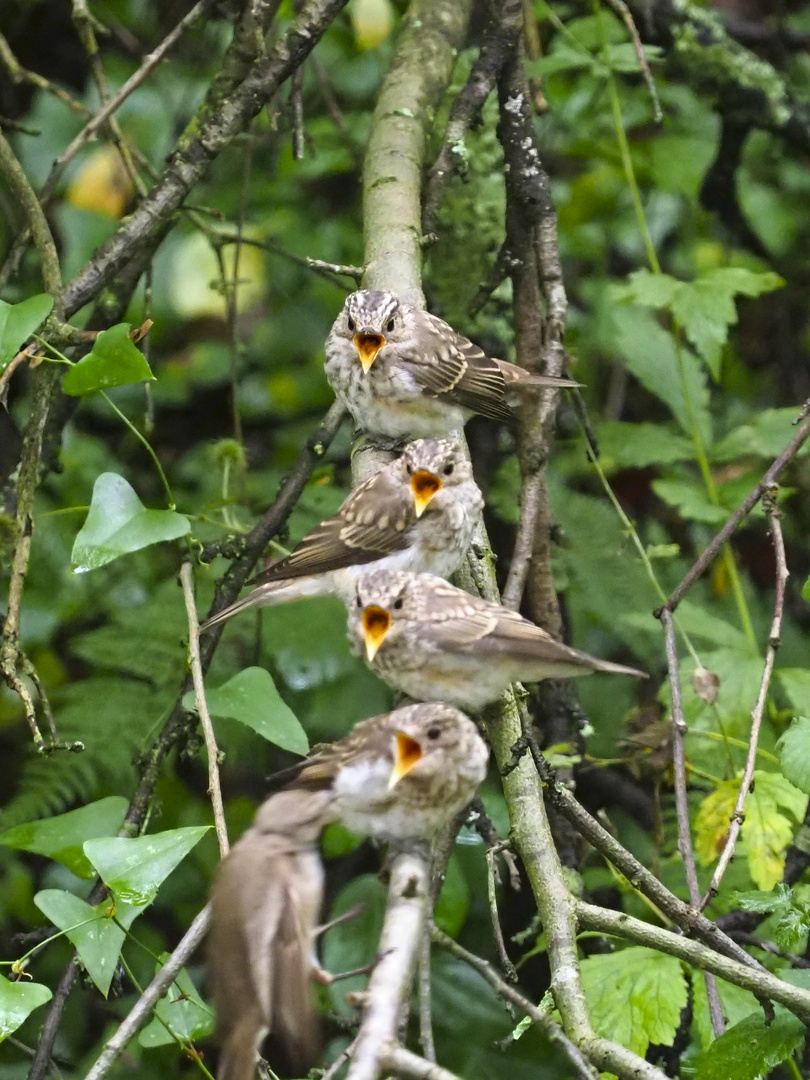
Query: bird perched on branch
[418, 512]
[400, 776]
[433, 641]
[404, 373]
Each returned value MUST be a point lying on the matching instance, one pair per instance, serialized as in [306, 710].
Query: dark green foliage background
[110, 644]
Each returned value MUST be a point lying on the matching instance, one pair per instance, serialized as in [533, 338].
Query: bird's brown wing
[373, 522]
[371, 736]
[449, 366]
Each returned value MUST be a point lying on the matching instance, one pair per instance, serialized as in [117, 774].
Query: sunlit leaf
[794, 753]
[17, 1001]
[119, 523]
[135, 868]
[752, 1047]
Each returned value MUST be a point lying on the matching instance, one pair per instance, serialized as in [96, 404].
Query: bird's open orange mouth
[368, 345]
[376, 624]
[407, 753]
[424, 486]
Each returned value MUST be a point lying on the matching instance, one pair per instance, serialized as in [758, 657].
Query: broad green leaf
[114, 360]
[752, 1048]
[61, 837]
[624, 58]
[353, 943]
[623, 446]
[737, 1004]
[182, 1010]
[806, 590]
[135, 868]
[794, 753]
[796, 684]
[17, 1001]
[252, 698]
[648, 351]
[563, 59]
[712, 821]
[454, 899]
[635, 996]
[119, 523]
[690, 500]
[705, 307]
[765, 436]
[18, 322]
[97, 938]
[697, 621]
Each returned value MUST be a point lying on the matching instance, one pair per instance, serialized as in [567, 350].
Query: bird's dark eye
[389, 326]
[398, 603]
[448, 470]
[434, 732]
[359, 602]
[350, 323]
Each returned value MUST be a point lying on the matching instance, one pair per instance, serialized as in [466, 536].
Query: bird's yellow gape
[408, 752]
[368, 345]
[424, 486]
[376, 624]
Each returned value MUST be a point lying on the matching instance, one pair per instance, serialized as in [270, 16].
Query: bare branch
[738, 814]
[214, 789]
[412, 1067]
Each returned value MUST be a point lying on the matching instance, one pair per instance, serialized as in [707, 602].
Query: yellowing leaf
[102, 184]
[372, 22]
[712, 821]
[195, 284]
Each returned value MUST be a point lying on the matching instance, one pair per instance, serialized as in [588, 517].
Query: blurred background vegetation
[687, 406]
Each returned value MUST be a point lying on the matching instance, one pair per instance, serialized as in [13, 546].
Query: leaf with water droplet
[135, 868]
[17, 1001]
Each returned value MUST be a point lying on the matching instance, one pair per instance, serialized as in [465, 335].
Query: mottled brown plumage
[434, 641]
[404, 373]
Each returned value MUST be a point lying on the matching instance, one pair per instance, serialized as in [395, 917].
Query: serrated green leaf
[119, 523]
[697, 621]
[182, 1011]
[690, 500]
[649, 352]
[752, 1048]
[17, 1001]
[623, 445]
[765, 436]
[97, 938]
[252, 698]
[653, 290]
[18, 322]
[114, 360]
[794, 753]
[635, 996]
[135, 868]
[61, 837]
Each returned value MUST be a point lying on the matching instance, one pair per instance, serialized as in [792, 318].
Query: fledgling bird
[436, 642]
[265, 903]
[418, 512]
[403, 373]
[400, 776]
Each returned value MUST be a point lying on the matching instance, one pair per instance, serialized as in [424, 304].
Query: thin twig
[746, 506]
[214, 788]
[738, 814]
[296, 93]
[550, 1028]
[425, 998]
[354, 272]
[18, 74]
[769, 947]
[142, 1009]
[624, 14]
[403, 1063]
[500, 944]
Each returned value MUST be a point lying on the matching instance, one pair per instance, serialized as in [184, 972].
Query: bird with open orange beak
[418, 512]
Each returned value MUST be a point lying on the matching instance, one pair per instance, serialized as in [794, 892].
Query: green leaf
[114, 360]
[765, 436]
[806, 590]
[18, 322]
[98, 942]
[182, 1010]
[134, 869]
[690, 500]
[752, 1048]
[17, 1001]
[697, 621]
[354, 942]
[252, 698]
[118, 523]
[623, 446]
[454, 899]
[794, 753]
[61, 837]
[796, 684]
[635, 996]
[649, 352]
